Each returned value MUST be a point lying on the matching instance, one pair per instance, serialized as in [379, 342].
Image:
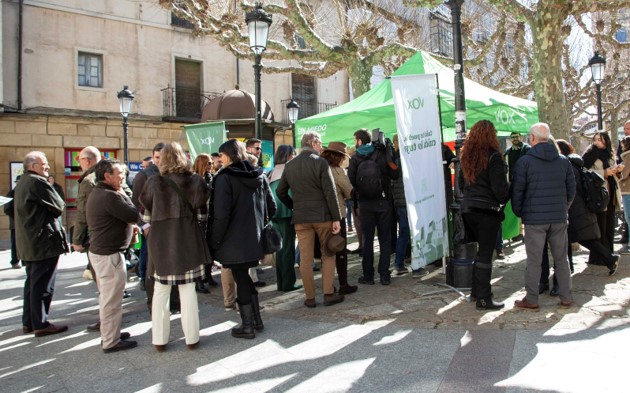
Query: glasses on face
[257, 148]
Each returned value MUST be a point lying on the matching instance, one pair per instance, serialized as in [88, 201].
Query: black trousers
[244, 285]
[38, 292]
[376, 215]
[483, 228]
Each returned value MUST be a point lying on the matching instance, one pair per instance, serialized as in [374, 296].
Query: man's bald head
[88, 157]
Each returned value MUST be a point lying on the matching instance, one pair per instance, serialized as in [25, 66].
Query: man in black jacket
[40, 240]
[542, 192]
[375, 208]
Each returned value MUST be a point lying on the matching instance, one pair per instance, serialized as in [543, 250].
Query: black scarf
[593, 154]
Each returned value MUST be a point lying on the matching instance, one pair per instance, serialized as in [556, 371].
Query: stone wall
[52, 134]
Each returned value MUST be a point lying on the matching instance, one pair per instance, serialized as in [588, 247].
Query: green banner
[205, 137]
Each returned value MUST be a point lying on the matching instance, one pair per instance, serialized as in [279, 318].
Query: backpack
[369, 178]
[595, 193]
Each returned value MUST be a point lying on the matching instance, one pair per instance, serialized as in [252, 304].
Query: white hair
[541, 131]
[31, 158]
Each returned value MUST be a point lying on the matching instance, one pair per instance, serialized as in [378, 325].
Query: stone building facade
[63, 62]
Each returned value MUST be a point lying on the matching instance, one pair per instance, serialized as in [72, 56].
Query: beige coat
[598, 167]
[624, 183]
[344, 188]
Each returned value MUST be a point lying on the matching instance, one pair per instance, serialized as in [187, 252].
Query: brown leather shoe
[121, 346]
[160, 348]
[310, 303]
[333, 298]
[192, 346]
[50, 329]
[523, 304]
[27, 329]
[566, 303]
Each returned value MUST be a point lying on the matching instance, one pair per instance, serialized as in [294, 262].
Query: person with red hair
[483, 176]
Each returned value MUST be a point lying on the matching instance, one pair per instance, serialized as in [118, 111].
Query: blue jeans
[142, 258]
[403, 237]
[626, 207]
[499, 245]
[349, 212]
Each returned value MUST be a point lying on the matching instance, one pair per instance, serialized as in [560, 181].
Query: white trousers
[160, 314]
[111, 275]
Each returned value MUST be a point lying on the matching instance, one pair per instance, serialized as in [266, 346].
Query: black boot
[199, 287]
[258, 323]
[246, 328]
[488, 304]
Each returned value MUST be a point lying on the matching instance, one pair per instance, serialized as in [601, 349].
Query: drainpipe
[19, 72]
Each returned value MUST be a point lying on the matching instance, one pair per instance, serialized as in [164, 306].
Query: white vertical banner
[419, 138]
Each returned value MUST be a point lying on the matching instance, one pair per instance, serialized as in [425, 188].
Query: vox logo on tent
[416, 103]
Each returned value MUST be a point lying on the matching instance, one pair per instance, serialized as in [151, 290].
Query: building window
[181, 22]
[90, 70]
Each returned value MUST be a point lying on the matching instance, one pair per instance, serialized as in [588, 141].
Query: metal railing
[307, 109]
[185, 103]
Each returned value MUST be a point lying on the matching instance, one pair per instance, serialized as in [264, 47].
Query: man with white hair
[543, 188]
[40, 240]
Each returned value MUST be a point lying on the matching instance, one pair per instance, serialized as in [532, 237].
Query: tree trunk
[360, 73]
[548, 39]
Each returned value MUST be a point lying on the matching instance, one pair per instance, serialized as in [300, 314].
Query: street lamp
[462, 251]
[598, 65]
[125, 97]
[258, 22]
[293, 109]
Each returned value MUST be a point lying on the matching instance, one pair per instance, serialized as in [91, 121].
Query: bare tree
[520, 47]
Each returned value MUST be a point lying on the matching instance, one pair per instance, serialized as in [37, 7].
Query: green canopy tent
[375, 108]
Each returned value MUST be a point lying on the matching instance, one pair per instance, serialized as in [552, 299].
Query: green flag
[205, 137]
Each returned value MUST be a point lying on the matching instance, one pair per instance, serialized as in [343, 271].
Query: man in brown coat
[315, 213]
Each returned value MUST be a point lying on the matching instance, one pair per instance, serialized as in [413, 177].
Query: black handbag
[272, 239]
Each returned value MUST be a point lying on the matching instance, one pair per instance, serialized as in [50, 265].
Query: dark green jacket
[38, 231]
[311, 182]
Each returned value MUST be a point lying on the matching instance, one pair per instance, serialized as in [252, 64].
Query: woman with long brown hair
[177, 249]
[486, 190]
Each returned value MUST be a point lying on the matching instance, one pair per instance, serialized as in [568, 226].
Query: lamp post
[598, 65]
[125, 98]
[293, 110]
[460, 251]
[258, 22]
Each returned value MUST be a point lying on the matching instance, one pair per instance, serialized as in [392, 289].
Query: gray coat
[314, 198]
[38, 231]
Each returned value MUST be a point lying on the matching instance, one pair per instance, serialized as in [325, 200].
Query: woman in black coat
[486, 191]
[583, 225]
[242, 200]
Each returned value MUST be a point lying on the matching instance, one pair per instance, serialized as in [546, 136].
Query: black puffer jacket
[240, 193]
[582, 222]
[490, 191]
[543, 187]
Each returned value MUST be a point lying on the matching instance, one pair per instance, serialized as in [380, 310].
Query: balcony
[307, 109]
[185, 105]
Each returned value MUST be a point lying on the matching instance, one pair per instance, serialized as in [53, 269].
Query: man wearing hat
[316, 212]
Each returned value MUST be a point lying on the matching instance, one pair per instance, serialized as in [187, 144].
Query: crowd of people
[192, 218]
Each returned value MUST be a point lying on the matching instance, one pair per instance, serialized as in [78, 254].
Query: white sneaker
[87, 274]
